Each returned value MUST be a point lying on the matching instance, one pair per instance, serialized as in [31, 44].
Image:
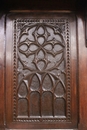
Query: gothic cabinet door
[41, 70]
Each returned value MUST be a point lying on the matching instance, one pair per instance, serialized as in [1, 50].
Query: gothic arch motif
[42, 64]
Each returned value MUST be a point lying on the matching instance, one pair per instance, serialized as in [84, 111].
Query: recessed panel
[41, 64]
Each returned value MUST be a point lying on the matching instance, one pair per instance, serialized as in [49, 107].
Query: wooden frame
[82, 54]
[9, 67]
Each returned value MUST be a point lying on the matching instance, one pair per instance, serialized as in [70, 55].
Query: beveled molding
[41, 129]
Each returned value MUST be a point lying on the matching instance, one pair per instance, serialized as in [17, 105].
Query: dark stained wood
[75, 5]
[38, 4]
[41, 62]
[82, 73]
[2, 53]
[16, 104]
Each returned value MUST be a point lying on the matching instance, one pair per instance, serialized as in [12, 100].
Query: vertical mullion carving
[41, 99]
[53, 99]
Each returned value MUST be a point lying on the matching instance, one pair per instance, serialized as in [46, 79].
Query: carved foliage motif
[42, 67]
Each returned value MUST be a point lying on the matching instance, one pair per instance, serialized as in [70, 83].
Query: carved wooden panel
[41, 70]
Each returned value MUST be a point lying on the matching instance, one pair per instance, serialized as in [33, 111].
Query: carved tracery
[42, 50]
